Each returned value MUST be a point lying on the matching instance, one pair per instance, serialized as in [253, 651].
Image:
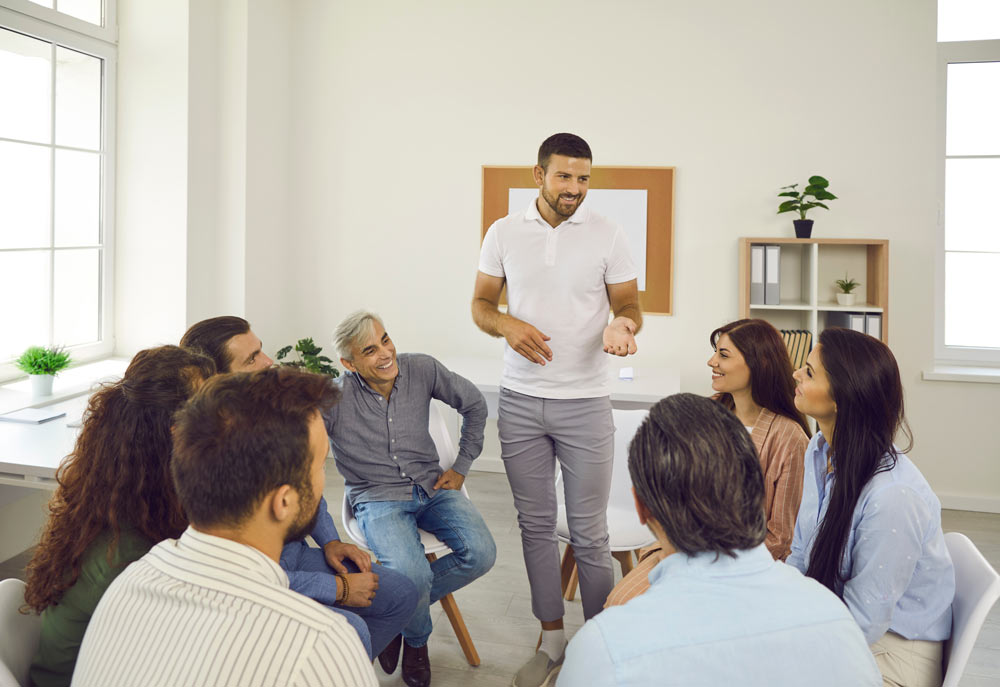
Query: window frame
[954, 52]
[100, 41]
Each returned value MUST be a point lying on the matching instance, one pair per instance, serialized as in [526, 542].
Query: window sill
[963, 373]
[75, 381]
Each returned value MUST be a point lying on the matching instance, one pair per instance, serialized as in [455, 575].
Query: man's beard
[300, 529]
[553, 202]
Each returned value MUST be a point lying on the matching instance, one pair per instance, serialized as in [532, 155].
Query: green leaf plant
[847, 285]
[38, 360]
[816, 189]
[310, 358]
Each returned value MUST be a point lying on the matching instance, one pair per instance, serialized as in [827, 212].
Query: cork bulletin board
[647, 198]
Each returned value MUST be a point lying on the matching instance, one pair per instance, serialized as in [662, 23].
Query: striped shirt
[202, 610]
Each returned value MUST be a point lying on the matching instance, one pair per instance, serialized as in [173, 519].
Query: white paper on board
[627, 207]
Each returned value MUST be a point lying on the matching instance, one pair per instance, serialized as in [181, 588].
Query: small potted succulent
[846, 295]
[309, 360]
[817, 189]
[42, 365]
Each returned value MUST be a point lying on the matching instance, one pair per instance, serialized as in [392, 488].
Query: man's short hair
[696, 471]
[355, 326]
[569, 145]
[241, 436]
[211, 336]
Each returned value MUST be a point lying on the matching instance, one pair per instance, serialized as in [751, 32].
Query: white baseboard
[487, 464]
[980, 504]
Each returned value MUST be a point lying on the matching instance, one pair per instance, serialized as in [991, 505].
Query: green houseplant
[42, 365]
[310, 358]
[846, 286]
[817, 190]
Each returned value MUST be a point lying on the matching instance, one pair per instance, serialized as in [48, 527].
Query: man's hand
[337, 551]
[449, 479]
[526, 339]
[361, 589]
[619, 337]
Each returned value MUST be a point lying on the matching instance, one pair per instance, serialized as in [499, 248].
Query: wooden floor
[497, 607]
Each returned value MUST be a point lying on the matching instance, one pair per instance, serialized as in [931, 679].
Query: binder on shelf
[756, 274]
[847, 320]
[873, 325]
[772, 268]
[799, 343]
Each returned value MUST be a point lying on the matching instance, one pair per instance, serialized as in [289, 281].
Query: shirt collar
[250, 561]
[532, 214]
[710, 564]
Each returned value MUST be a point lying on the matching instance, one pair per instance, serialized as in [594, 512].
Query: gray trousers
[579, 433]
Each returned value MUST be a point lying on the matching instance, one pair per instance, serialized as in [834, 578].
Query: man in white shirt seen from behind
[213, 607]
[720, 610]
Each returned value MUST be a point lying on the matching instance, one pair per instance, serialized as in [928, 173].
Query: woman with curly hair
[115, 500]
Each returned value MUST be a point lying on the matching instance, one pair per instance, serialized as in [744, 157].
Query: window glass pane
[77, 296]
[24, 195]
[968, 20]
[973, 108]
[972, 282]
[87, 10]
[78, 198]
[972, 215]
[78, 99]
[25, 87]
[24, 278]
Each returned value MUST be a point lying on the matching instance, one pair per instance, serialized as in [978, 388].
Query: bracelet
[347, 589]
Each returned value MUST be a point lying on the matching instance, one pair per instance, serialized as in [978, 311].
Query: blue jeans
[310, 575]
[391, 530]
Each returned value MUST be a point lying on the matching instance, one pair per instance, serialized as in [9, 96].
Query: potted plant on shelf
[846, 286]
[816, 188]
[309, 360]
[42, 365]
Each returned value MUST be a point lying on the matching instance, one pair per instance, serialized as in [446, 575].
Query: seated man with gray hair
[383, 447]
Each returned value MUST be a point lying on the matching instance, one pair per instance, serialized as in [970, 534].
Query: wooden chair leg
[569, 575]
[625, 559]
[450, 607]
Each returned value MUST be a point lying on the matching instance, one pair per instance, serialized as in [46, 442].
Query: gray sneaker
[540, 671]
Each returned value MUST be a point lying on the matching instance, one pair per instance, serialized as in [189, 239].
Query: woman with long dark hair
[869, 527]
[752, 376]
[115, 500]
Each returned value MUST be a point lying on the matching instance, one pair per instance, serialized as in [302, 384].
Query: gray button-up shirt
[384, 447]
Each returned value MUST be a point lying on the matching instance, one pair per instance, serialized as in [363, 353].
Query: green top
[63, 624]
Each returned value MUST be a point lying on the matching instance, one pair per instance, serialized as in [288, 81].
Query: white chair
[432, 545]
[626, 534]
[18, 635]
[977, 587]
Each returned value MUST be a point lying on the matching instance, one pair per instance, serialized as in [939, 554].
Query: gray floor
[497, 608]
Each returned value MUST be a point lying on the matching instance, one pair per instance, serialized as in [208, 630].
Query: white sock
[553, 643]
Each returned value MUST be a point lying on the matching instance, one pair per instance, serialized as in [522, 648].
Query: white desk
[30, 454]
[649, 385]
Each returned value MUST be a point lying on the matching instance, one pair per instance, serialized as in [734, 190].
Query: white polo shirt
[556, 281]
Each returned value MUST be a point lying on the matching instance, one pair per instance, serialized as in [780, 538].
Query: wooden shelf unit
[808, 270]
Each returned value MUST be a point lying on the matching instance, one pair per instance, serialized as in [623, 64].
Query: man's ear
[640, 509]
[348, 365]
[539, 175]
[283, 501]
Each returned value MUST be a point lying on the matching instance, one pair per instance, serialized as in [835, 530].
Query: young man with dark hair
[213, 607]
[229, 342]
[378, 602]
[395, 485]
[719, 609]
[564, 267]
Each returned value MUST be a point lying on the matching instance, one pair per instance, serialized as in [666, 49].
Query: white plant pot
[847, 298]
[41, 385]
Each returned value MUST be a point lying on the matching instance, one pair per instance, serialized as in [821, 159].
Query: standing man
[564, 267]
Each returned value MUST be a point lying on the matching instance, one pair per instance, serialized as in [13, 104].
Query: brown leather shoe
[389, 657]
[416, 666]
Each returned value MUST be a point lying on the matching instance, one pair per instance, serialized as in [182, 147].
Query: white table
[31, 454]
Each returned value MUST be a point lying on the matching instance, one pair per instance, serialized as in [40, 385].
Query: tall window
[56, 174]
[969, 52]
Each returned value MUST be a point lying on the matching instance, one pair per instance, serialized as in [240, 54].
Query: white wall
[396, 106]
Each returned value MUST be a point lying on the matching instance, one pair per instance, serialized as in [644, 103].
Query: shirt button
[394, 441]
[403, 474]
[395, 457]
[390, 419]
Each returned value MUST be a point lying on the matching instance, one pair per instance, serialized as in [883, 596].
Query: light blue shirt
[897, 571]
[718, 620]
